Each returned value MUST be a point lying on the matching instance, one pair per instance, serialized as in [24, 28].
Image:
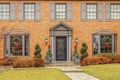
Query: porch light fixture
[46, 40]
[76, 40]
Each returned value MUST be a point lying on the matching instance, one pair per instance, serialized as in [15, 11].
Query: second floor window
[4, 11]
[91, 11]
[60, 11]
[29, 11]
[115, 11]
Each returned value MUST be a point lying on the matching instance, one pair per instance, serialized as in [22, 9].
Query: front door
[61, 49]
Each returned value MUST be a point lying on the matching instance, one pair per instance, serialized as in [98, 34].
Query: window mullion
[23, 45]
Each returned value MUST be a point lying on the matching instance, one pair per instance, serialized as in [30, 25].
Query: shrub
[90, 61]
[95, 61]
[37, 52]
[21, 61]
[83, 51]
[3, 61]
[108, 55]
[38, 62]
[115, 59]
[104, 60]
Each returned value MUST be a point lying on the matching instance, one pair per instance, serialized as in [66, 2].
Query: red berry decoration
[75, 46]
[49, 46]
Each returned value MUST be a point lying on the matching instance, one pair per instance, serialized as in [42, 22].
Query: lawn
[104, 72]
[33, 74]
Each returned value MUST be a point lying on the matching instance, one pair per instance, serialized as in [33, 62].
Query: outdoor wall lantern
[46, 40]
[76, 40]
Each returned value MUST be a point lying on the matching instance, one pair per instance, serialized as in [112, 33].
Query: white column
[70, 48]
[23, 45]
[52, 47]
[67, 48]
[99, 44]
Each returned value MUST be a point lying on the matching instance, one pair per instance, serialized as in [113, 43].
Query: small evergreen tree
[83, 51]
[37, 53]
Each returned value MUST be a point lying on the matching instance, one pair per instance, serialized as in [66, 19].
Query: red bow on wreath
[106, 44]
[16, 45]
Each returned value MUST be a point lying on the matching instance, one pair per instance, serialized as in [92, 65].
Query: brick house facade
[61, 22]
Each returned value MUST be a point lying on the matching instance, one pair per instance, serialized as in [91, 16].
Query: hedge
[21, 62]
[106, 58]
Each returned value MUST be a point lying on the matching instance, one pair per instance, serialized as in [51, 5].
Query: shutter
[69, 11]
[107, 12]
[83, 12]
[12, 11]
[52, 11]
[37, 11]
[100, 13]
[20, 13]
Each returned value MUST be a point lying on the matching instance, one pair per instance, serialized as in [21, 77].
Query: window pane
[115, 11]
[106, 44]
[91, 11]
[16, 45]
[29, 10]
[96, 42]
[4, 11]
[60, 11]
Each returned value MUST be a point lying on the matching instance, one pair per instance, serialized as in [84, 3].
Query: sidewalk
[74, 73]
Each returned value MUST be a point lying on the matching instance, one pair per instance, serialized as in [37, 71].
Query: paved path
[5, 68]
[75, 74]
[80, 76]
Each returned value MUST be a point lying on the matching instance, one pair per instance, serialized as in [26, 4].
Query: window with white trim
[115, 11]
[60, 11]
[91, 11]
[4, 11]
[29, 11]
[104, 43]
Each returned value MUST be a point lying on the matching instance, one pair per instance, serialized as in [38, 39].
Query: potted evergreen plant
[48, 56]
[76, 56]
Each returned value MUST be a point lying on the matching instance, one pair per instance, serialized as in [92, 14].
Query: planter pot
[77, 61]
[48, 61]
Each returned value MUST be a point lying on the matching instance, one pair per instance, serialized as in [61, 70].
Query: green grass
[33, 74]
[104, 72]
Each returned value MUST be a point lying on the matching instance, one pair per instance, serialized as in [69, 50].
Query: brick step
[62, 64]
[68, 69]
[72, 70]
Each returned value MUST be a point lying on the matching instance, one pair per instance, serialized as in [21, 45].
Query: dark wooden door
[61, 49]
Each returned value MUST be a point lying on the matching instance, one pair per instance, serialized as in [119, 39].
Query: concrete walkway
[80, 76]
[74, 73]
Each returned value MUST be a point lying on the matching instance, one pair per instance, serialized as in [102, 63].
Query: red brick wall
[40, 30]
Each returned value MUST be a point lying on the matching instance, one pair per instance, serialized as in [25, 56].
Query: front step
[67, 69]
[71, 69]
[62, 63]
